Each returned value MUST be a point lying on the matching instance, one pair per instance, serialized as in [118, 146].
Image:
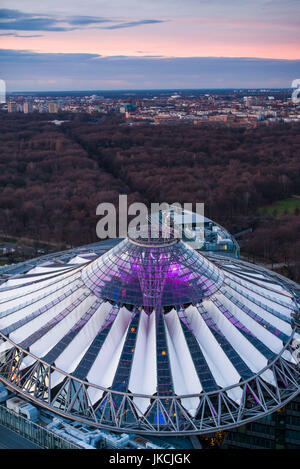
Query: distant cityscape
[195, 106]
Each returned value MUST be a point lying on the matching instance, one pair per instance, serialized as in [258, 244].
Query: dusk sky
[140, 44]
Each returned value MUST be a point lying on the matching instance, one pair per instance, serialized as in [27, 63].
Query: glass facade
[149, 336]
[145, 276]
[32, 431]
[280, 430]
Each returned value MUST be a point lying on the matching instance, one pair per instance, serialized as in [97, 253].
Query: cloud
[32, 24]
[27, 57]
[28, 70]
[87, 20]
[11, 14]
[15, 20]
[18, 21]
[20, 35]
[132, 24]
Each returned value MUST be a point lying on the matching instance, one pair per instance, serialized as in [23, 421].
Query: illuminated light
[151, 287]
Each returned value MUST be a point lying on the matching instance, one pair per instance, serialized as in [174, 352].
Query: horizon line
[149, 89]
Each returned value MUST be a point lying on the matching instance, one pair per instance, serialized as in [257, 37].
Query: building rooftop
[153, 339]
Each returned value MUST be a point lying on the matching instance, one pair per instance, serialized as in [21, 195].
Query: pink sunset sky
[164, 29]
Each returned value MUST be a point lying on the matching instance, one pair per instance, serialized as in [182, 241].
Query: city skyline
[149, 45]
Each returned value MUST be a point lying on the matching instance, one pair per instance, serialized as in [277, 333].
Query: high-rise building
[280, 430]
[27, 107]
[53, 107]
[12, 106]
[248, 101]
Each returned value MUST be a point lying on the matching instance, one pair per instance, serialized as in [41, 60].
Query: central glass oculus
[152, 273]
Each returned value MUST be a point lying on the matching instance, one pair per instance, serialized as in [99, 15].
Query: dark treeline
[50, 187]
[53, 177]
[233, 170]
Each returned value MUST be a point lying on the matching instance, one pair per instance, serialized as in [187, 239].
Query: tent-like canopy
[150, 337]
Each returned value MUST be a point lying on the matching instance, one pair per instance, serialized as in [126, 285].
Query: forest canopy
[53, 177]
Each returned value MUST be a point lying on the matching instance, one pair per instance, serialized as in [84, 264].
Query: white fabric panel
[73, 353]
[89, 256]
[269, 317]
[281, 294]
[275, 286]
[249, 354]
[23, 282]
[11, 318]
[56, 378]
[71, 356]
[5, 346]
[27, 361]
[24, 294]
[184, 374]
[29, 328]
[288, 356]
[265, 336]
[254, 274]
[29, 281]
[279, 308]
[45, 343]
[143, 379]
[285, 310]
[222, 369]
[262, 280]
[106, 363]
[264, 290]
[294, 358]
[78, 260]
[296, 336]
[47, 269]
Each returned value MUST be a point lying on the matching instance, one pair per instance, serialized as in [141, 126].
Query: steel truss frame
[165, 415]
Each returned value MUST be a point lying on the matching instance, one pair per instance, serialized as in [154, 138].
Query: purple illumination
[152, 276]
[231, 318]
[252, 393]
